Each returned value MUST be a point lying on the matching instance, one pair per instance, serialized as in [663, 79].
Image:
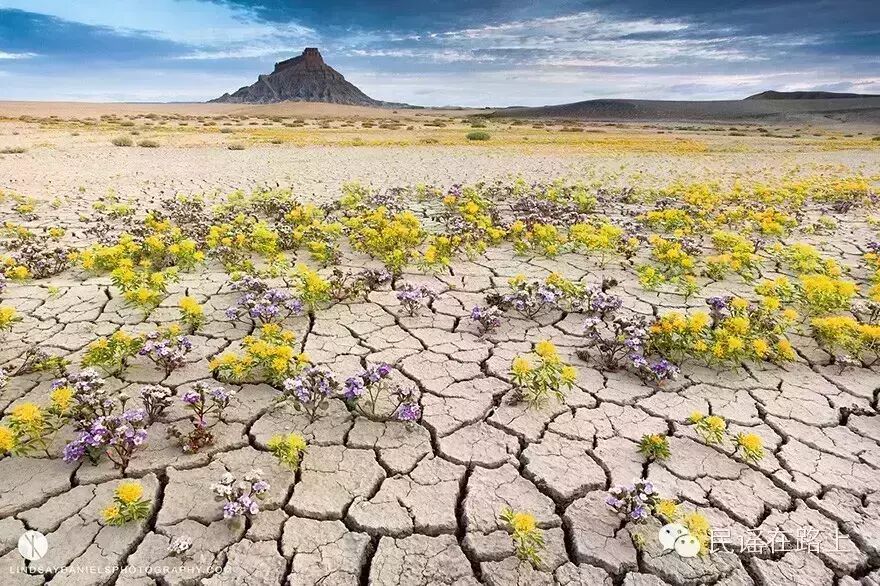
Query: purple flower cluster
[241, 497]
[413, 297]
[601, 303]
[206, 404]
[156, 399]
[487, 318]
[167, 353]
[119, 436]
[531, 298]
[364, 391]
[636, 501]
[310, 390]
[408, 409]
[350, 286]
[90, 399]
[261, 304]
[372, 376]
[621, 342]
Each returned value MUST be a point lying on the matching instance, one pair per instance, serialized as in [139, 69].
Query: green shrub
[148, 143]
[478, 135]
[123, 141]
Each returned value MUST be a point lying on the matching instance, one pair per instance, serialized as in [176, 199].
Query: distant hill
[305, 78]
[832, 111]
[774, 95]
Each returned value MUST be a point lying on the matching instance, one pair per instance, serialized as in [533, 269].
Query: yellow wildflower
[7, 440]
[129, 492]
[545, 349]
[61, 397]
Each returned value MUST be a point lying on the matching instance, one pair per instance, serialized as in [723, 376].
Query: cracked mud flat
[382, 504]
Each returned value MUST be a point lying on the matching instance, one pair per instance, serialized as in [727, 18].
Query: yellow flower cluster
[528, 540]
[8, 316]
[311, 287]
[391, 238]
[270, 351]
[748, 333]
[289, 449]
[845, 333]
[191, 313]
[550, 377]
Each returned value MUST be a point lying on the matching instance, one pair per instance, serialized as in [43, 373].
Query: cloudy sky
[441, 52]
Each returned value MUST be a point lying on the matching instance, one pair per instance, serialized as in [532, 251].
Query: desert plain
[381, 498]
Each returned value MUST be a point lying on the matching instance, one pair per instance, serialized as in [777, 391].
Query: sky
[441, 52]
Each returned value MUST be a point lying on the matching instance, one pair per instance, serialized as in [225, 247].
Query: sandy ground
[391, 504]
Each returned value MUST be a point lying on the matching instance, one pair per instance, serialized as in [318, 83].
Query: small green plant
[122, 141]
[750, 446]
[528, 540]
[551, 376]
[289, 449]
[148, 143]
[128, 505]
[478, 135]
[711, 427]
[654, 447]
[192, 314]
[112, 354]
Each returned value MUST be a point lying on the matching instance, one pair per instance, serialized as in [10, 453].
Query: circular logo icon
[33, 545]
[670, 533]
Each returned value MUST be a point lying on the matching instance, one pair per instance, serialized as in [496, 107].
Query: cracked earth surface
[385, 503]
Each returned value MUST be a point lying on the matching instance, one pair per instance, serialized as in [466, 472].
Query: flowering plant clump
[535, 384]
[167, 349]
[289, 449]
[261, 304]
[38, 258]
[711, 427]
[112, 354]
[392, 238]
[8, 317]
[90, 399]
[310, 390]
[817, 294]
[735, 331]
[31, 428]
[206, 403]
[528, 540]
[192, 314]
[180, 546]
[156, 400]
[128, 505]
[654, 447]
[356, 285]
[117, 436]
[364, 391]
[850, 341]
[637, 501]
[412, 297]
[487, 318]
[234, 241]
[312, 288]
[38, 360]
[306, 225]
[533, 296]
[621, 342]
[240, 496]
[750, 446]
[737, 254]
[270, 352]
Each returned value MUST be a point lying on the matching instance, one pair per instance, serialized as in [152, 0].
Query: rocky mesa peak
[304, 78]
